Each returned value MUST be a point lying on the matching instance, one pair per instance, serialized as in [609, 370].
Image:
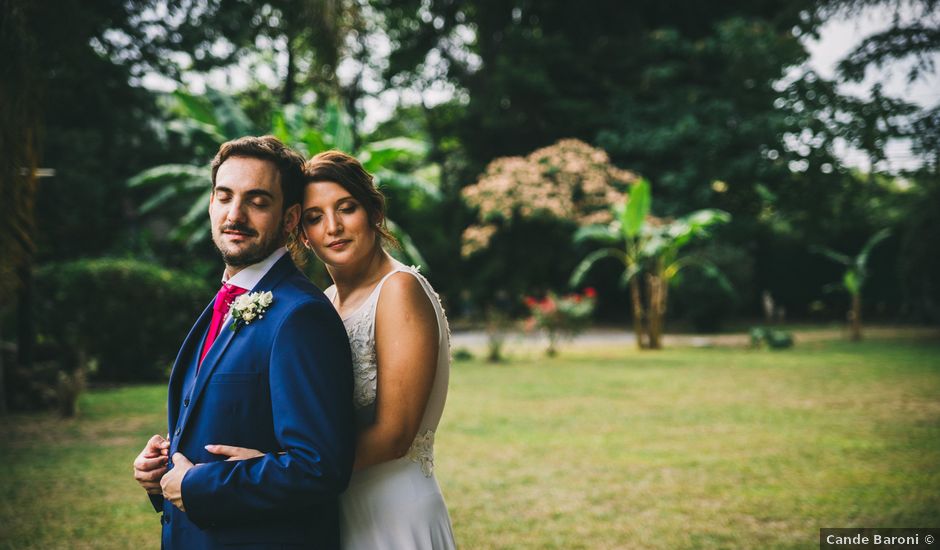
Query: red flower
[529, 301]
[590, 292]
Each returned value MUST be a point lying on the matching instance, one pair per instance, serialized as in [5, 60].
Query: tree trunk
[654, 286]
[354, 92]
[657, 307]
[3, 389]
[290, 85]
[855, 317]
[552, 350]
[638, 317]
[26, 330]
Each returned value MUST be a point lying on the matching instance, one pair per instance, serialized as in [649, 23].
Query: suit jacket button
[186, 402]
[177, 432]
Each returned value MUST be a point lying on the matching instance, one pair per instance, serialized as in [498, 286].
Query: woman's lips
[338, 245]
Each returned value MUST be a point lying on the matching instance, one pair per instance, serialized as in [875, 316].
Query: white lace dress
[395, 505]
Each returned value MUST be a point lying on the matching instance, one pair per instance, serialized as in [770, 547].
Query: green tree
[650, 248]
[855, 275]
[181, 191]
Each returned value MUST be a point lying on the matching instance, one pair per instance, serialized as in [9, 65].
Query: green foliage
[560, 316]
[181, 192]
[125, 316]
[644, 240]
[637, 208]
[770, 338]
[696, 297]
[918, 261]
[856, 268]
[462, 354]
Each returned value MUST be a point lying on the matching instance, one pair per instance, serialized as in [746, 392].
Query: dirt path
[613, 336]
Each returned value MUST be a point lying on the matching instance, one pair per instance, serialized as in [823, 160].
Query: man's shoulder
[297, 294]
[301, 289]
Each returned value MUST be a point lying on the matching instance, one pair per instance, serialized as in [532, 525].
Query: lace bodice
[360, 327]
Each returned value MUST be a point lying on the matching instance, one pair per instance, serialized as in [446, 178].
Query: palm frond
[600, 233]
[638, 207]
[577, 276]
[169, 174]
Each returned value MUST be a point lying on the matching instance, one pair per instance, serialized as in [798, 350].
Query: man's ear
[291, 218]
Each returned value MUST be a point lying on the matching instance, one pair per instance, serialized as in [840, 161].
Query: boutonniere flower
[248, 307]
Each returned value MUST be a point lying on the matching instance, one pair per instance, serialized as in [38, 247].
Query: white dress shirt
[250, 276]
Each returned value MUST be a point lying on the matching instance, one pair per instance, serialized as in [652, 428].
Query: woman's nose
[333, 225]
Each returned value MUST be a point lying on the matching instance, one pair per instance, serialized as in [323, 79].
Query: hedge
[126, 318]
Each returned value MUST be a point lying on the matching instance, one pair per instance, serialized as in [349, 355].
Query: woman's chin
[336, 259]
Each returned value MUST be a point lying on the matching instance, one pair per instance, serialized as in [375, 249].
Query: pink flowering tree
[568, 181]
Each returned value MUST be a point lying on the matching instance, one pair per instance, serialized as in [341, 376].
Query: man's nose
[235, 212]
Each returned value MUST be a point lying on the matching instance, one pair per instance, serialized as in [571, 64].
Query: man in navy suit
[271, 372]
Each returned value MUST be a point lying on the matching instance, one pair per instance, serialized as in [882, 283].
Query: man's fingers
[153, 475]
[179, 459]
[152, 487]
[147, 464]
[157, 442]
[157, 445]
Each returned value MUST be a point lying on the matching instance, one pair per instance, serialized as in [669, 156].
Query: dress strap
[372, 301]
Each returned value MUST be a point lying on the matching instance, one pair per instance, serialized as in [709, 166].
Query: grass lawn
[600, 448]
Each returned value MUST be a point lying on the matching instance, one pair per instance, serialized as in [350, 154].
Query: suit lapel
[278, 271]
[192, 345]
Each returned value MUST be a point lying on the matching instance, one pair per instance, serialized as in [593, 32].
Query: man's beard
[252, 254]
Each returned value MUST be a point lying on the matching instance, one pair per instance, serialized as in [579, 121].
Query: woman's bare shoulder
[404, 293]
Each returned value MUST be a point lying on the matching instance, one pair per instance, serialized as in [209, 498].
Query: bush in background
[771, 338]
[560, 316]
[125, 317]
[705, 305]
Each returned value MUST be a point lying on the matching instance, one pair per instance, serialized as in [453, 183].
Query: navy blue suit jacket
[281, 384]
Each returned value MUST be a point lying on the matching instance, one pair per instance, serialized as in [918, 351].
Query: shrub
[706, 305]
[127, 317]
[462, 354]
[560, 316]
[772, 338]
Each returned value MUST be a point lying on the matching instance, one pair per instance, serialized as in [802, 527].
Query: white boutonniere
[248, 307]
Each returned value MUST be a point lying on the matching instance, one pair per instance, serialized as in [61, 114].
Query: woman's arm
[407, 341]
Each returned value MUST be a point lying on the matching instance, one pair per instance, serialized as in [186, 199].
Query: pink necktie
[223, 301]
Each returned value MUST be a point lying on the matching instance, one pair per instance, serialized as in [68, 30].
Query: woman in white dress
[401, 359]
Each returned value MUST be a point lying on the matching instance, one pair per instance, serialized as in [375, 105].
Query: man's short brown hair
[289, 163]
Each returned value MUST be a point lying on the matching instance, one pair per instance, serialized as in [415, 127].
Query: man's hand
[150, 464]
[172, 482]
